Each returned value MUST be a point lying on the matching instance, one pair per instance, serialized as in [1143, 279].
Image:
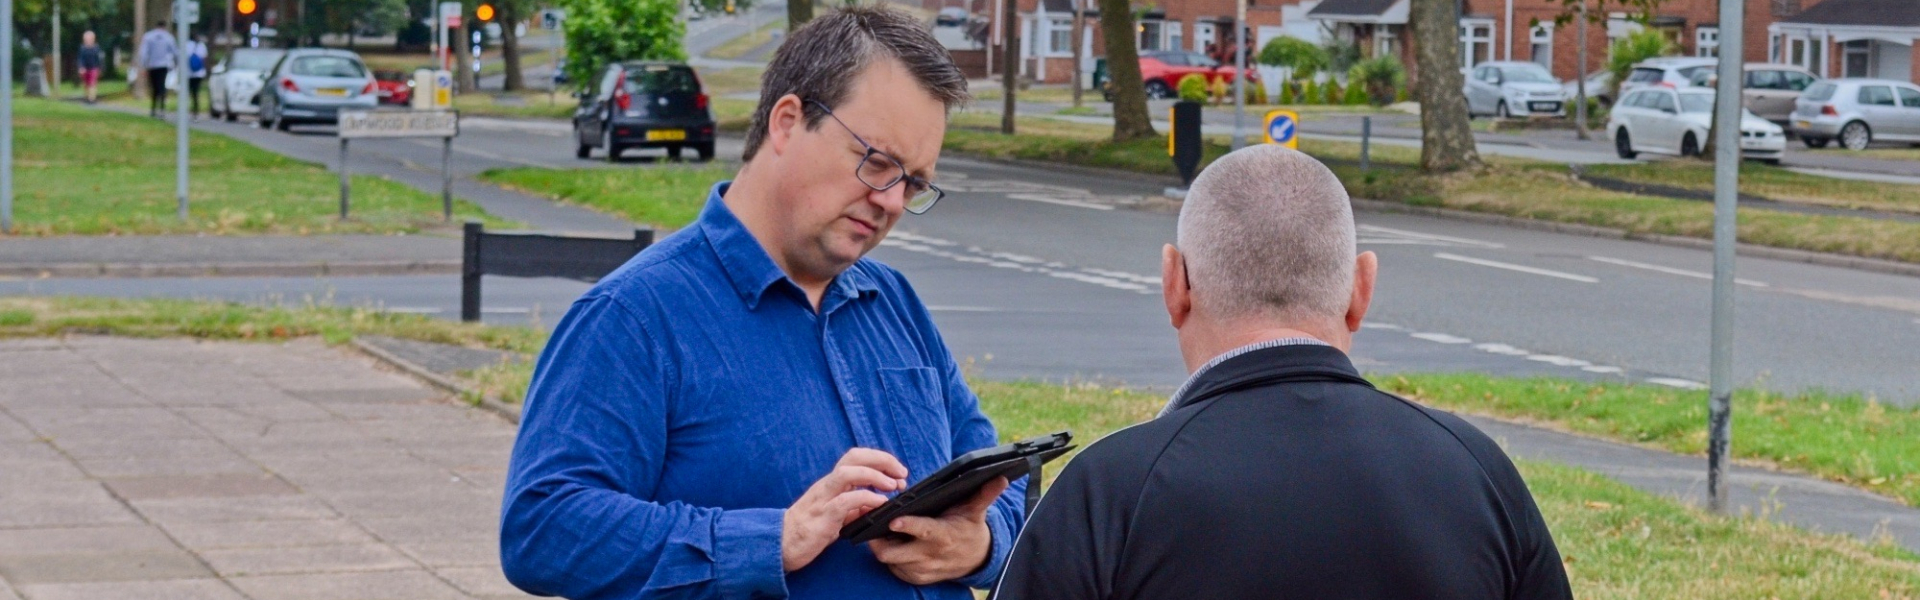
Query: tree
[1578, 10]
[798, 13]
[512, 12]
[1446, 140]
[1302, 59]
[599, 31]
[1629, 51]
[1130, 121]
[1380, 77]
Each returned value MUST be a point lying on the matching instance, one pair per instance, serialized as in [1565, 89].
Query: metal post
[1726, 182]
[1239, 73]
[446, 179]
[345, 179]
[6, 117]
[181, 48]
[56, 50]
[1580, 85]
[1010, 60]
[470, 272]
[1366, 139]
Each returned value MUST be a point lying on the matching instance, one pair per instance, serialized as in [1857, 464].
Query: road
[1051, 273]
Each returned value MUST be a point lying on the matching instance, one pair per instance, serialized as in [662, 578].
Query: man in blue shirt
[707, 418]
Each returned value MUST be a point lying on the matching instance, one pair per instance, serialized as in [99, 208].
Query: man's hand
[948, 547]
[814, 521]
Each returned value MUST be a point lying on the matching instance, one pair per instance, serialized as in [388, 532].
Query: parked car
[233, 82]
[1858, 112]
[1599, 87]
[1768, 89]
[393, 87]
[1669, 120]
[952, 16]
[644, 105]
[1676, 71]
[1161, 72]
[1514, 89]
[311, 85]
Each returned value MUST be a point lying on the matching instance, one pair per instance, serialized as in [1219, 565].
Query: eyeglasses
[881, 171]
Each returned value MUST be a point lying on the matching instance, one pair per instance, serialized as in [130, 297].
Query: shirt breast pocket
[917, 406]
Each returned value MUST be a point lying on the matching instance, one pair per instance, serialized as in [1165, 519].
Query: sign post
[6, 118]
[358, 124]
[1283, 127]
[185, 12]
[1726, 182]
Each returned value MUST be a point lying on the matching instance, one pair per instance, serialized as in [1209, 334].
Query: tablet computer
[957, 482]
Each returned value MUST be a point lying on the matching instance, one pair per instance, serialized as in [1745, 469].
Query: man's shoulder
[1131, 452]
[674, 264]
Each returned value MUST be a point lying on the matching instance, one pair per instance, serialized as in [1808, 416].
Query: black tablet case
[958, 481]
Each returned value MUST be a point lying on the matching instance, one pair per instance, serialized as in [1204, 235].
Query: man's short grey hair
[1267, 232]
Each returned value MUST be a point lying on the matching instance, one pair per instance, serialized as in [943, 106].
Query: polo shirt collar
[751, 270]
[1266, 366]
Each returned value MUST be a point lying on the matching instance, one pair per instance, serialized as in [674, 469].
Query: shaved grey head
[1267, 232]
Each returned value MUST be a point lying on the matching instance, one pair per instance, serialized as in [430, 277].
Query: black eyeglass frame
[938, 194]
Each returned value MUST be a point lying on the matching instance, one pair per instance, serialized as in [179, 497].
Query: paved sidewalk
[192, 470]
[190, 255]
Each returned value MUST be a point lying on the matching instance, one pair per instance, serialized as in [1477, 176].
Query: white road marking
[414, 310]
[1059, 201]
[1557, 360]
[1441, 338]
[1513, 267]
[1602, 369]
[1415, 237]
[1685, 384]
[1386, 326]
[1670, 270]
[937, 308]
[1501, 349]
[506, 311]
[1140, 284]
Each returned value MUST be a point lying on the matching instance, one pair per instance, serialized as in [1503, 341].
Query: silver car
[311, 85]
[1514, 89]
[1858, 112]
[233, 83]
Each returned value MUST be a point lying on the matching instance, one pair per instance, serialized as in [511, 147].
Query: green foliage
[1331, 93]
[1356, 94]
[1286, 93]
[1193, 87]
[1637, 46]
[1256, 93]
[1376, 79]
[1401, 95]
[599, 31]
[1342, 56]
[668, 196]
[1303, 57]
[1310, 92]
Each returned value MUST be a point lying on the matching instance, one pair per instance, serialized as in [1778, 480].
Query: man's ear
[785, 121]
[1173, 286]
[1365, 268]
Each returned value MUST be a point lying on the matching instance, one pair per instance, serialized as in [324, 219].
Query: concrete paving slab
[339, 558]
[224, 485]
[381, 585]
[6, 591]
[483, 582]
[221, 510]
[87, 508]
[178, 589]
[83, 540]
[437, 555]
[267, 534]
[138, 466]
[171, 563]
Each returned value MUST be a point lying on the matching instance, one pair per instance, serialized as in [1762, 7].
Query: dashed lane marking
[1670, 270]
[1058, 201]
[1685, 384]
[1375, 234]
[1513, 267]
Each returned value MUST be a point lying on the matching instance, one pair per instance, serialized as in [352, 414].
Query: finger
[851, 505]
[920, 528]
[875, 459]
[898, 553]
[849, 477]
[976, 508]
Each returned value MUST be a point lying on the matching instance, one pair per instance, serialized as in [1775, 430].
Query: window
[1820, 92]
[1150, 35]
[328, 66]
[1386, 40]
[1060, 36]
[1663, 101]
[1635, 100]
[1766, 80]
[1173, 59]
[1856, 59]
[1696, 103]
[1909, 97]
[1527, 75]
[1796, 80]
[662, 80]
[1542, 44]
[1476, 41]
[1196, 59]
[607, 80]
[1876, 95]
[1706, 41]
[1645, 75]
[1174, 35]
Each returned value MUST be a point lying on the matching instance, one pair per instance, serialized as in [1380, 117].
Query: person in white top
[197, 72]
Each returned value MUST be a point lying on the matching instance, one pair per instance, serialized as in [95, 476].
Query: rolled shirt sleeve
[575, 521]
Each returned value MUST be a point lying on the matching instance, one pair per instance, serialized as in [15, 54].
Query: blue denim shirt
[684, 402]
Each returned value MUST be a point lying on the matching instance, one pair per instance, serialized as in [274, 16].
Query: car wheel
[1815, 142]
[230, 115]
[1855, 136]
[265, 118]
[1689, 146]
[1500, 110]
[673, 152]
[705, 151]
[1157, 89]
[1623, 144]
[613, 152]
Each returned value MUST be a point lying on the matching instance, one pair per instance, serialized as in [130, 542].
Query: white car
[234, 83]
[1669, 120]
[1514, 89]
[1675, 71]
[1599, 87]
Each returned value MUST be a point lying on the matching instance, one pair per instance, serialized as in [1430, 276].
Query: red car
[1162, 71]
[394, 87]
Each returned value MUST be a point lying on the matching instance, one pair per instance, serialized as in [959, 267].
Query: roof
[1352, 7]
[1881, 13]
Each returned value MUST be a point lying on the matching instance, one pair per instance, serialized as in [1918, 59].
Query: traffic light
[245, 7]
[484, 12]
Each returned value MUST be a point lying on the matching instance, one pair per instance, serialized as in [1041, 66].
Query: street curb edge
[504, 410]
[312, 269]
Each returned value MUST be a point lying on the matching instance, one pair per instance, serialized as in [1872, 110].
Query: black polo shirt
[1281, 473]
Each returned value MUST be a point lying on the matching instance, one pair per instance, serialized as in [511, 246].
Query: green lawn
[740, 46]
[81, 171]
[518, 105]
[1773, 183]
[666, 196]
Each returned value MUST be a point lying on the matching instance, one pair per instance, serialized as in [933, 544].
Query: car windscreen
[1688, 73]
[327, 66]
[662, 80]
[1820, 92]
[1644, 75]
[1526, 75]
[256, 60]
[1696, 103]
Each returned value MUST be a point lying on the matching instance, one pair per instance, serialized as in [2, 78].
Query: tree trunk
[1446, 139]
[1130, 121]
[462, 42]
[139, 29]
[510, 45]
[798, 13]
[1079, 33]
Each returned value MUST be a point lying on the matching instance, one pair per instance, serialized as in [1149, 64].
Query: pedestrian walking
[197, 73]
[157, 53]
[90, 63]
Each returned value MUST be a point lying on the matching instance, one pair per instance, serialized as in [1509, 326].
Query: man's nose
[893, 199]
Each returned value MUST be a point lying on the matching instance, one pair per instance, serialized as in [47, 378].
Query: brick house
[1849, 38]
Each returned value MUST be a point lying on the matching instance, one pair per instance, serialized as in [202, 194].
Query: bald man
[1276, 471]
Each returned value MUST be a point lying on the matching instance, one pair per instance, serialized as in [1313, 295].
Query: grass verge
[531, 104]
[1847, 439]
[81, 171]
[740, 46]
[152, 318]
[1773, 183]
[667, 196]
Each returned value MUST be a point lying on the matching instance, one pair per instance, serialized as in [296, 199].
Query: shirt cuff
[746, 548]
[1002, 538]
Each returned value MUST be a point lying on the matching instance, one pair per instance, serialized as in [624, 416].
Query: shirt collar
[749, 267]
[1229, 355]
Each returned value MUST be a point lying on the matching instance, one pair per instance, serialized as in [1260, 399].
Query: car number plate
[331, 92]
[1802, 124]
[666, 135]
[1544, 106]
